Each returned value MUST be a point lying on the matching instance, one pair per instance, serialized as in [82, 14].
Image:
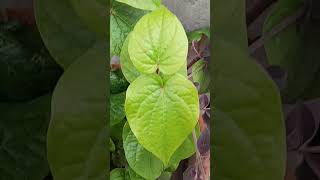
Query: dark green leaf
[117, 113]
[122, 20]
[77, 137]
[26, 70]
[295, 49]
[64, 33]
[23, 129]
[248, 105]
[200, 74]
[118, 82]
[93, 13]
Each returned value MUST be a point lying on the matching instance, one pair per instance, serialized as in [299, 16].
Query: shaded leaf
[93, 13]
[23, 138]
[65, 35]
[118, 83]
[78, 125]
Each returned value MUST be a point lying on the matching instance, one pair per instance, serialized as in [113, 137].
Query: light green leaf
[143, 4]
[163, 105]
[140, 160]
[158, 41]
[117, 113]
[122, 20]
[137, 156]
[23, 129]
[186, 150]
[93, 13]
[78, 122]
[119, 174]
[134, 176]
[129, 70]
[65, 35]
[247, 104]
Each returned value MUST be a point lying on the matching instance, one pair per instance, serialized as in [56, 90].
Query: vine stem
[198, 155]
[195, 59]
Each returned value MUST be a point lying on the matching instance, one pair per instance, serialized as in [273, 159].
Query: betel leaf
[196, 35]
[252, 112]
[122, 20]
[163, 105]
[134, 176]
[186, 150]
[23, 129]
[117, 113]
[200, 74]
[118, 82]
[116, 130]
[158, 41]
[119, 174]
[137, 156]
[139, 159]
[77, 144]
[165, 176]
[25, 72]
[93, 13]
[65, 35]
[129, 70]
[143, 4]
[246, 102]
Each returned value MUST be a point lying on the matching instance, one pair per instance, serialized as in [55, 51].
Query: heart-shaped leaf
[163, 105]
[255, 120]
[129, 70]
[23, 129]
[94, 13]
[117, 113]
[65, 35]
[249, 132]
[137, 156]
[158, 41]
[122, 20]
[143, 4]
[77, 137]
